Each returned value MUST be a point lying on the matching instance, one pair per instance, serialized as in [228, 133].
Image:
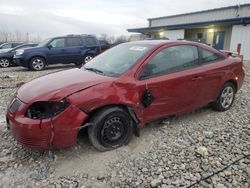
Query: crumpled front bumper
[59, 132]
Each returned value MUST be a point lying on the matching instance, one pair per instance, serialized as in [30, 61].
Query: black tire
[111, 128]
[226, 98]
[4, 62]
[78, 64]
[37, 64]
[87, 58]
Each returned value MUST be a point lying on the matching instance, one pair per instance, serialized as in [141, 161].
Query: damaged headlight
[46, 109]
[19, 52]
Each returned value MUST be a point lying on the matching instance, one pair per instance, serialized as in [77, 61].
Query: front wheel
[37, 64]
[4, 63]
[110, 129]
[226, 97]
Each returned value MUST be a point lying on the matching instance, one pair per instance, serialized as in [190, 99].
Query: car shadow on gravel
[85, 157]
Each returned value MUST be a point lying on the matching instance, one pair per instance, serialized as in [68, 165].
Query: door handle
[196, 78]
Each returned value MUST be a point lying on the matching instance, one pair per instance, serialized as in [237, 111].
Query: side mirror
[147, 98]
[50, 46]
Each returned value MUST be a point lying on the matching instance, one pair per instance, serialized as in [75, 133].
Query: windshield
[117, 60]
[44, 43]
[6, 46]
[22, 47]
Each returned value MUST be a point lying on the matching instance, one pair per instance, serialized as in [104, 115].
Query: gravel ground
[200, 149]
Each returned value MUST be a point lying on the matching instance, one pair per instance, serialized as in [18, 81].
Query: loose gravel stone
[155, 182]
[202, 151]
[208, 134]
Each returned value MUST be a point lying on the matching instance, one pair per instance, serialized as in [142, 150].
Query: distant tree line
[7, 35]
[114, 40]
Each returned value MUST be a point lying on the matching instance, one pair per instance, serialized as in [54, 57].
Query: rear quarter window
[90, 41]
[73, 41]
[209, 56]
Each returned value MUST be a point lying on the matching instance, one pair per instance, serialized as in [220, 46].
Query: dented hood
[58, 85]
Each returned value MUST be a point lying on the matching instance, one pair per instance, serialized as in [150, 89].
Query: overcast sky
[58, 17]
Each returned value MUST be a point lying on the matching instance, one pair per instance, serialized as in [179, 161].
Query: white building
[222, 28]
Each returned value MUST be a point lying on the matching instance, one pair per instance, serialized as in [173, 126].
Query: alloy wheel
[87, 58]
[38, 64]
[4, 63]
[227, 97]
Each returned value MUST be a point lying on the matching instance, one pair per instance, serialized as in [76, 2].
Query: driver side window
[58, 43]
[171, 59]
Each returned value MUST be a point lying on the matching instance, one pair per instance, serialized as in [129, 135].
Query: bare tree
[121, 39]
[104, 36]
[112, 39]
[27, 37]
[4, 34]
[18, 35]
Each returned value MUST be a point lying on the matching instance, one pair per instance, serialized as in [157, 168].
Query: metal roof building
[222, 28]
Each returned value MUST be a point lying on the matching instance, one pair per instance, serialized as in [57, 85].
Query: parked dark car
[78, 49]
[105, 45]
[6, 57]
[8, 45]
[121, 90]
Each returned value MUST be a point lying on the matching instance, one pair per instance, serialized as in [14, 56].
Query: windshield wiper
[95, 70]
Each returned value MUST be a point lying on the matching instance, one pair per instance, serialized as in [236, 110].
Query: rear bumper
[58, 132]
[241, 76]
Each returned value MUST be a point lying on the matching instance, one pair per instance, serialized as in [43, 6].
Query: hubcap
[37, 64]
[113, 131]
[227, 97]
[87, 59]
[4, 62]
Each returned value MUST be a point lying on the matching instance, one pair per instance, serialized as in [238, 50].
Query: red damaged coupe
[119, 91]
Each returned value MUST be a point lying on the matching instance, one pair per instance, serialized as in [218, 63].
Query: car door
[104, 45]
[214, 67]
[73, 49]
[56, 51]
[172, 77]
[92, 46]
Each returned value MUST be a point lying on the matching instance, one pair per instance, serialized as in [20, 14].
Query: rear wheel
[112, 128]
[4, 62]
[226, 97]
[87, 58]
[37, 64]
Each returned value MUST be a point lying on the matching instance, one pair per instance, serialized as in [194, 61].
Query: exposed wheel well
[125, 108]
[234, 83]
[39, 57]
